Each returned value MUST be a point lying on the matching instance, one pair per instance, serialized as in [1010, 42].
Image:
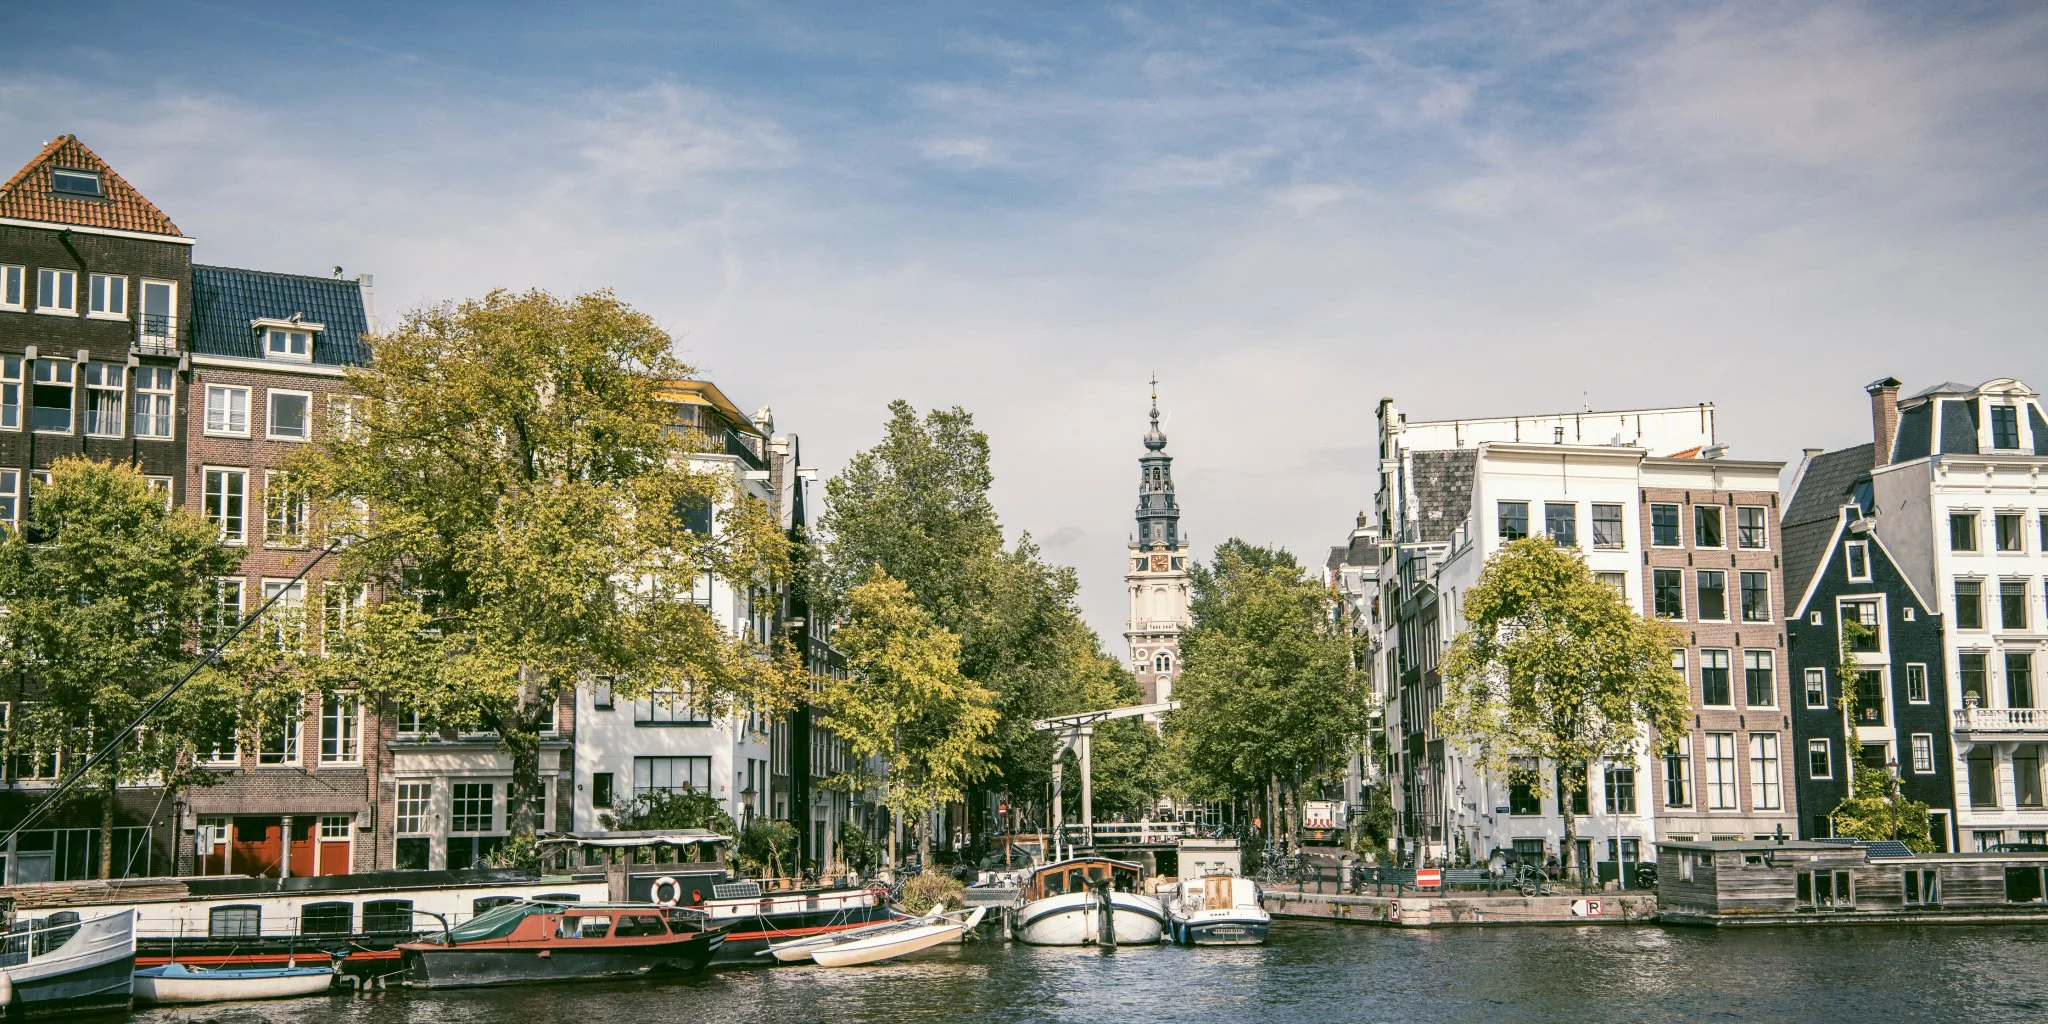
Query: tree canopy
[1554, 665]
[513, 468]
[1268, 691]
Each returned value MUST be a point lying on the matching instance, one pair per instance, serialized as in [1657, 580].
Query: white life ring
[675, 891]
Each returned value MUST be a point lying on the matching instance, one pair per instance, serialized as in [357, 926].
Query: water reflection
[1309, 973]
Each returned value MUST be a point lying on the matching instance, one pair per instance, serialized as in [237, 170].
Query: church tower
[1156, 572]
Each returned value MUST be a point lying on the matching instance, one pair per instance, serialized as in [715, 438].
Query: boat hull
[1074, 919]
[885, 947]
[91, 970]
[183, 988]
[748, 936]
[464, 966]
[1228, 930]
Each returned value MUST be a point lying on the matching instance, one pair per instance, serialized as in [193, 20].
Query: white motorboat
[177, 983]
[1216, 910]
[1088, 901]
[799, 950]
[897, 938]
[60, 964]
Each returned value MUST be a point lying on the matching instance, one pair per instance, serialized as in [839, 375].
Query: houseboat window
[1804, 897]
[585, 927]
[494, 924]
[558, 897]
[1124, 879]
[1923, 886]
[327, 918]
[1831, 890]
[482, 903]
[681, 921]
[234, 922]
[639, 925]
[1055, 883]
[1684, 866]
[387, 916]
[2023, 884]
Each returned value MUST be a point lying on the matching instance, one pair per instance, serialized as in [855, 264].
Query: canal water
[1311, 972]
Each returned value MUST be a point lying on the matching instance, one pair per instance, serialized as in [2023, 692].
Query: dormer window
[288, 339]
[2005, 427]
[77, 184]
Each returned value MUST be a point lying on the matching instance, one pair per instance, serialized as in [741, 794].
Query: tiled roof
[1443, 492]
[28, 195]
[225, 299]
[1365, 551]
[1959, 426]
[1809, 520]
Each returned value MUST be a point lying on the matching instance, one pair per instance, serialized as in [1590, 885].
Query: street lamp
[747, 813]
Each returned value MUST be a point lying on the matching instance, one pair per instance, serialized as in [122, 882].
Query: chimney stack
[1884, 419]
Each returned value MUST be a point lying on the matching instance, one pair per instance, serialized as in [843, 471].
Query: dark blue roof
[225, 299]
[1959, 426]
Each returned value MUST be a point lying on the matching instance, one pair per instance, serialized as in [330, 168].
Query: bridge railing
[1129, 833]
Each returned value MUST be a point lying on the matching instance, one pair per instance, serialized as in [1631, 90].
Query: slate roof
[1443, 492]
[1809, 520]
[1959, 426]
[1944, 388]
[1916, 434]
[225, 299]
[28, 195]
[1364, 551]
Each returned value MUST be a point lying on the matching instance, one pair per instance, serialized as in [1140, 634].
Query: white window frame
[1715, 783]
[14, 288]
[1857, 550]
[274, 492]
[1916, 673]
[153, 397]
[273, 333]
[1920, 740]
[226, 427]
[270, 416]
[218, 517]
[1721, 513]
[167, 486]
[1699, 610]
[1807, 689]
[291, 598]
[47, 281]
[116, 392]
[293, 733]
[106, 297]
[341, 728]
[337, 828]
[69, 371]
[1827, 750]
[1762, 510]
[212, 606]
[13, 393]
[1766, 772]
[10, 496]
[164, 334]
[414, 802]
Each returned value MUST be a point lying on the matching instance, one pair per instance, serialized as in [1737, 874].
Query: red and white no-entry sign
[1428, 878]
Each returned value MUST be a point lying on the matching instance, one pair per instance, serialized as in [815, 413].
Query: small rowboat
[181, 984]
[887, 941]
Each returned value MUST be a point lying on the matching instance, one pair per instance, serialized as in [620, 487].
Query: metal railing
[1128, 833]
[156, 334]
[2002, 720]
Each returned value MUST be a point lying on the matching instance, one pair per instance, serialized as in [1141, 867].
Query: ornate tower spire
[1158, 513]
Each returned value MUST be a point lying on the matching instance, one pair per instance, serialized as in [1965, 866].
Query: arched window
[1163, 663]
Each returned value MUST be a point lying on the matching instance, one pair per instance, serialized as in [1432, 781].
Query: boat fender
[673, 888]
[6, 991]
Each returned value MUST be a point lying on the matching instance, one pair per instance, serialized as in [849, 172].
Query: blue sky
[1285, 210]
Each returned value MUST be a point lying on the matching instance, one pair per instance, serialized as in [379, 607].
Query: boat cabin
[528, 922]
[1078, 874]
[1833, 881]
[687, 865]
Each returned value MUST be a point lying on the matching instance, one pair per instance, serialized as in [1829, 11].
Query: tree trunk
[924, 842]
[892, 840]
[519, 734]
[1565, 794]
[107, 793]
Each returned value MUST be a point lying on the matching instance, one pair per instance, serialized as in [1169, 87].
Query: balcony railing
[156, 334]
[2002, 720]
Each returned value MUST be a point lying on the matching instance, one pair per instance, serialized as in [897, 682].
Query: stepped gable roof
[31, 194]
[1443, 492]
[1809, 519]
[226, 299]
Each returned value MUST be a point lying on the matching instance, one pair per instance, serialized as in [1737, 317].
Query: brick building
[1712, 568]
[268, 354]
[95, 290]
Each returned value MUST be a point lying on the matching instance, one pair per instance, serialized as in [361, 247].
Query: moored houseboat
[686, 868]
[537, 942]
[1087, 901]
[65, 962]
[1764, 882]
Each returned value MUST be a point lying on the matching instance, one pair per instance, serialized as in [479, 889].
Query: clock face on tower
[1158, 563]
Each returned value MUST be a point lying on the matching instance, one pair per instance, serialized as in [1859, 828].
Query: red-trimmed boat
[528, 941]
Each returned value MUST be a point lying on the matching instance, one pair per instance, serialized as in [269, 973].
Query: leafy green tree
[516, 476]
[1553, 665]
[102, 588]
[861, 852]
[905, 700]
[1269, 697]
[917, 506]
[768, 847]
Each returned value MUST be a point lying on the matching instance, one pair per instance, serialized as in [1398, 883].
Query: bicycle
[1530, 880]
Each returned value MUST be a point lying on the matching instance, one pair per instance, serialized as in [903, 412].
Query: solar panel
[1839, 841]
[736, 890]
[1887, 849]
